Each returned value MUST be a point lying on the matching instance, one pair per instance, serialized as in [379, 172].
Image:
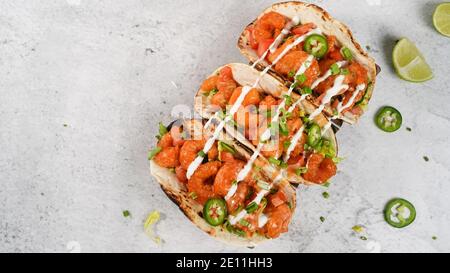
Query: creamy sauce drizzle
[327, 74]
[341, 108]
[284, 52]
[262, 220]
[243, 213]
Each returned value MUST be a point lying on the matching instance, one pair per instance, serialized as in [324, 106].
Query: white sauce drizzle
[341, 107]
[267, 133]
[262, 220]
[209, 144]
[284, 52]
[330, 93]
[358, 89]
[243, 213]
[327, 74]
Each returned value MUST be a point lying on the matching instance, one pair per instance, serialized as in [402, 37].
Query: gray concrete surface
[83, 85]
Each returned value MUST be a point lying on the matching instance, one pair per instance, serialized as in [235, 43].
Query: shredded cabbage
[152, 219]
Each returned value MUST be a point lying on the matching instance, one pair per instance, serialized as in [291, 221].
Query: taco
[287, 131]
[302, 44]
[222, 189]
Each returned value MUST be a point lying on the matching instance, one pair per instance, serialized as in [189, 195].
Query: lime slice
[410, 63]
[441, 19]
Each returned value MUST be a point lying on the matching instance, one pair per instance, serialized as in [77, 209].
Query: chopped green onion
[235, 182]
[162, 129]
[306, 90]
[334, 69]
[213, 92]
[283, 165]
[201, 154]
[172, 170]
[263, 203]
[345, 71]
[257, 168]
[288, 100]
[225, 147]
[263, 185]
[301, 170]
[244, 222]
[294, 85]
[286, 144]
[126, 213]
[337, 160]
[252, 207]
[347, 53]
[289, 204]
[222, 115]
[274, 161]
[268, 113]
[154, 152]
[322, 219]
[364, 238]
[284, 130]
[306, 120]
[274, 128]
[193, 195]
[291, 74]
[301, 78]
[325, 195]
[285, 113]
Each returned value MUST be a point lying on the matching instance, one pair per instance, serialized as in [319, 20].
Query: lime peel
[409, 63]
[441, 19]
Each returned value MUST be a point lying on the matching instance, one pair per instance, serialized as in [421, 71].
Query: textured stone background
[110, 70]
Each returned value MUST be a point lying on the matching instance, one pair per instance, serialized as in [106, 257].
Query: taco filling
[280, 128]
[304, 55]
[235, 194]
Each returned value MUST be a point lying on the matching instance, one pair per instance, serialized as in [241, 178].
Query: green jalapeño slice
[316, 45]
[399, 213]
[314, 135]
[388, 119]
[215, 211]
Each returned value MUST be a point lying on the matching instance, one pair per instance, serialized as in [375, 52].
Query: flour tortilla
[178, 193]
[329, 26]
[246, 75]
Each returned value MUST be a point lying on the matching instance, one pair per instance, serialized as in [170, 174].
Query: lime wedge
[410, 63]
[441, 19]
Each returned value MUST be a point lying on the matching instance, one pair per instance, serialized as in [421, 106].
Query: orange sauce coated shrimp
[200, 183]
[292, 61]
[210, 83]
[190, 149]
[279, 218]
[226, 85]
[168, 157]
[268, 26]
[320, 169]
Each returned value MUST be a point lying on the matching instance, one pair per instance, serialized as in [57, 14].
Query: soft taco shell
[178, 193]
[329, 26]
[246, 75]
